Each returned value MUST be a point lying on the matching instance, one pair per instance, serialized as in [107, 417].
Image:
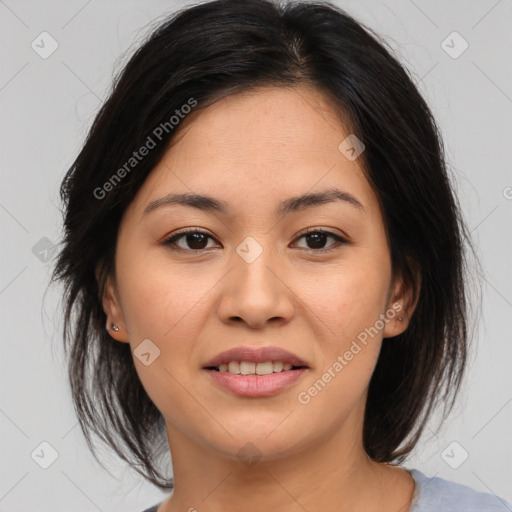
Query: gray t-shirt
[439, 495]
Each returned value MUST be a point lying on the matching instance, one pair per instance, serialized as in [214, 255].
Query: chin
[260, 441]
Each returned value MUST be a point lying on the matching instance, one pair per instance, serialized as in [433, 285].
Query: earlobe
[396, 320]
[115, 324]
[400, 309]
[116, 332]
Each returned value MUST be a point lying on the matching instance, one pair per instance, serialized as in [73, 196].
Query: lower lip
[256, 385]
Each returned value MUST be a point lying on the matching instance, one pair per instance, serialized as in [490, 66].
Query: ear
[112, 308]
[401, 306]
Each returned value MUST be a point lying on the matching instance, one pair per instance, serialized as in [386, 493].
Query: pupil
[318, 240]
[195, 239]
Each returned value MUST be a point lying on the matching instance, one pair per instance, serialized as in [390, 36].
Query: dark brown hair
[214, 49]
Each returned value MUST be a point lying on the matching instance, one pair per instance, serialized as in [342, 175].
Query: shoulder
[438, 495]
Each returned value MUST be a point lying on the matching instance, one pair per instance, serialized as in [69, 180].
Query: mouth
[252, 368]
[255, 372]
[255, 361]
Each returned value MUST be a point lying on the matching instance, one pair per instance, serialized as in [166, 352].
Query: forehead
[264, 142]
[272, 117]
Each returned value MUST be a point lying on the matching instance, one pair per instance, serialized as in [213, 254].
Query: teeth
[264, 368]
[233, 367]
[248, 368]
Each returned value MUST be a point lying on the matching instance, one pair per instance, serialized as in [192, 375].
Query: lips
[255, 355]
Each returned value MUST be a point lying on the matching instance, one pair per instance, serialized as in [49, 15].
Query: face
[256, 270]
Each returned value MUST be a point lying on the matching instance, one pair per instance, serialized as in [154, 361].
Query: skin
[254, 150]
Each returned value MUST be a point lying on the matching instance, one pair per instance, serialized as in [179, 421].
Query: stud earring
[400, 319]
[115, 328]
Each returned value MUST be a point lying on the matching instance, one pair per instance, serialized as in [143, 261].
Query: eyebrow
[291, 205]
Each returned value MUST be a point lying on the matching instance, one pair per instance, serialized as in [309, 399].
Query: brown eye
[316, 240]
[192, 240]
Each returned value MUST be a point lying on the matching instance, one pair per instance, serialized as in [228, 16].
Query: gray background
[47, 106]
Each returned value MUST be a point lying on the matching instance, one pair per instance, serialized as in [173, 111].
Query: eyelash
[171, 241]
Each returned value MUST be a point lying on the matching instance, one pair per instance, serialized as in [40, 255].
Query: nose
[256, 293]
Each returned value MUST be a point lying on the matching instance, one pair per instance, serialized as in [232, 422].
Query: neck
[335, 474]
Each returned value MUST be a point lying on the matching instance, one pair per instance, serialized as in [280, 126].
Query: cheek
[167, 307]
[348, 307]
[159, 300]
[346, 301]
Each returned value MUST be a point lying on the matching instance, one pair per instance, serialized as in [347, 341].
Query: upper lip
[255, 355]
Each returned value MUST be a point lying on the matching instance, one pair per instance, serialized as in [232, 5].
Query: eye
[316, 239]
[195, 239]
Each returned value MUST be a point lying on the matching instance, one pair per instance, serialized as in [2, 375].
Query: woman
[264, 267]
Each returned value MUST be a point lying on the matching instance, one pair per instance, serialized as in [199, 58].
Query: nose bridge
[252, 262]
